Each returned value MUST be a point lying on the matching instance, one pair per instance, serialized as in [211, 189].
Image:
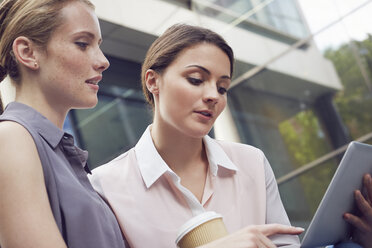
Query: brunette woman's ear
[24, 52]
[152, 81]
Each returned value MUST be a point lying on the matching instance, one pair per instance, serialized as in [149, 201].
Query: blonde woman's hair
[34, 19]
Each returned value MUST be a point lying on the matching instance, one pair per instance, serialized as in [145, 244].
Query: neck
[36, 100]
[182, 153]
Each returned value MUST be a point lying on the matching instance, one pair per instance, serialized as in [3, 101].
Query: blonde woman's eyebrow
[89, 34]
[86, 33]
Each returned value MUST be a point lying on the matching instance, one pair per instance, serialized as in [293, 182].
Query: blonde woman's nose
[102, 62]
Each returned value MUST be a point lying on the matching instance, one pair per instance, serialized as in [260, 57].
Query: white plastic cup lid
[194, 222]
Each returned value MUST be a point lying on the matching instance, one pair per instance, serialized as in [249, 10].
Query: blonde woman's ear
[152, 81]
[24, 52]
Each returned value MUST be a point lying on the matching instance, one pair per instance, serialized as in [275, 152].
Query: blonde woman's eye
[194, 81]
[81, 45]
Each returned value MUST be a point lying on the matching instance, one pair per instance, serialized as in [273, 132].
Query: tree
[303, 133]
[354, 102]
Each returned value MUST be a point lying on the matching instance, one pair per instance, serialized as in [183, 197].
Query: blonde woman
[50, 51]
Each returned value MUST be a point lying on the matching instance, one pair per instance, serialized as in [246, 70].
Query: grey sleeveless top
[83, 218]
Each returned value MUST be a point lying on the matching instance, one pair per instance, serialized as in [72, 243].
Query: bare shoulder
[24, 202]
[11, 131]
[17, 149]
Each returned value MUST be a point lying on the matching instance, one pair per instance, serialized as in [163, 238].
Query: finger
[356, 222]
[271, 229]
[258, 243]
[265, 241]
[363, 205]
[367, 184]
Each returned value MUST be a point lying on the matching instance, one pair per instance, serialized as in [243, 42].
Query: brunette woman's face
[192, 90]
[72, 65]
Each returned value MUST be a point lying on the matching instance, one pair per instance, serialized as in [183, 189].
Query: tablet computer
[328, 226]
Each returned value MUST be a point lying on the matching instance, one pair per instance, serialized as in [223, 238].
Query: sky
[319, 13]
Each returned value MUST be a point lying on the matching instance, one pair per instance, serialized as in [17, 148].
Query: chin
[199, 132]
[87, 105]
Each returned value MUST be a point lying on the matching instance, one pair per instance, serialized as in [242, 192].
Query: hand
[362, 225]
[253, 236]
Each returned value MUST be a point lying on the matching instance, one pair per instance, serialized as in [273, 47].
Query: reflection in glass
[353, 62]
[282, 16]
[290, 134]
[114, 126]
[313, 185]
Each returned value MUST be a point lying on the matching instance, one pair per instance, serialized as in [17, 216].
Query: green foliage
[354, 102]
[303, 134]
[306, 142]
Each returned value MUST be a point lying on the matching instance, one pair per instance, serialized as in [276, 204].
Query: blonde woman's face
[192, 90]
[72, 65]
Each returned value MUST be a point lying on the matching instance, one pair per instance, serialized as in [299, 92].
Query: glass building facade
[263, 16]
[117, 122]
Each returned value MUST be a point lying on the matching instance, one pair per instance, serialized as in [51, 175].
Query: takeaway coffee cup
[200, 230]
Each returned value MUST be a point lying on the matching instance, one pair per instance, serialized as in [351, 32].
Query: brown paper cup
[200, 230]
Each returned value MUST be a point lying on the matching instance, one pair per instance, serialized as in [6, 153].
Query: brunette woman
[176, 171]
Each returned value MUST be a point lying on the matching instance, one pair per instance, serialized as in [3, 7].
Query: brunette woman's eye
[194, 81]
[81, 45]
[222, 90]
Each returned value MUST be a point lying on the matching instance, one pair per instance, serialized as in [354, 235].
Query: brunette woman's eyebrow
[207, 71]
[201, 68]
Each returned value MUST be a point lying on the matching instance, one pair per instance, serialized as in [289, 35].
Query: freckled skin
[65, 66]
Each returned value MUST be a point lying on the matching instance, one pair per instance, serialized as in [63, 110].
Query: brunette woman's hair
[171, 43]
[1, 105]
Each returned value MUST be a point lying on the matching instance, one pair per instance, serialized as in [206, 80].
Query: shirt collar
[50, 132]
[74, 153]
[217, 156]
[152, 166]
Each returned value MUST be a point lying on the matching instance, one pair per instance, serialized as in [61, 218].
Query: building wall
[249, 47]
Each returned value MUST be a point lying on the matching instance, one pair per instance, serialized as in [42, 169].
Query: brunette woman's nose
[210, 94]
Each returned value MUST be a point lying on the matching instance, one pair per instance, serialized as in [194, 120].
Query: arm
[253, 236]
[25, 215]
[275, 212]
